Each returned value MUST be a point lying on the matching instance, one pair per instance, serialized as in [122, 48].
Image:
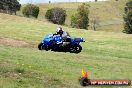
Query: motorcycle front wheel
[40, 46]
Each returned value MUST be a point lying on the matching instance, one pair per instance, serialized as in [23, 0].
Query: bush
[30, 10]
[74, 21]
[128, 18]
[56, 15]
[81, 20]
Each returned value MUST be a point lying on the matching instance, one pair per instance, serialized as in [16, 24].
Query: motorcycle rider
[65, 35]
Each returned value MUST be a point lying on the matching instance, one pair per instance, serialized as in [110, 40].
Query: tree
[30, 10]
[14, 6]
[74, 21]
[1, 5]
[128, 18]
[56, 15]
[9, 6]
[81, 20]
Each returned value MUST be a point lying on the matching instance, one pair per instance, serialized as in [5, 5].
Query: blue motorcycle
[56, 43]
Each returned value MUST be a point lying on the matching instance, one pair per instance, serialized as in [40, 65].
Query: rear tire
[75, 49]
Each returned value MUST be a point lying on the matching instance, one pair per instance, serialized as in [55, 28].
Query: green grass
[106, 55]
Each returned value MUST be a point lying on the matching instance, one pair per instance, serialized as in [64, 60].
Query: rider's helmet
[59, 30]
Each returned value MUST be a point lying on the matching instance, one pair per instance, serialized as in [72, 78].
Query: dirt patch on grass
[13, 42]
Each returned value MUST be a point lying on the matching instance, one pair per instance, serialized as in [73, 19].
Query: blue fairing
[58, 40]
[50, 37]
[47, 38]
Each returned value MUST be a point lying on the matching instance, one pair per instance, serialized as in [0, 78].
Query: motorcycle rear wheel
[75, 49]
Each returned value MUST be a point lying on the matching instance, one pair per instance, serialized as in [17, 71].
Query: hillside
[106, 55]
[109, 14]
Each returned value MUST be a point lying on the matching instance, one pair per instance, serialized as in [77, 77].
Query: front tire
[40, 46]
[75, 49]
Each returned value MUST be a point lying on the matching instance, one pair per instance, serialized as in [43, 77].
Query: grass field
[106, 55]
